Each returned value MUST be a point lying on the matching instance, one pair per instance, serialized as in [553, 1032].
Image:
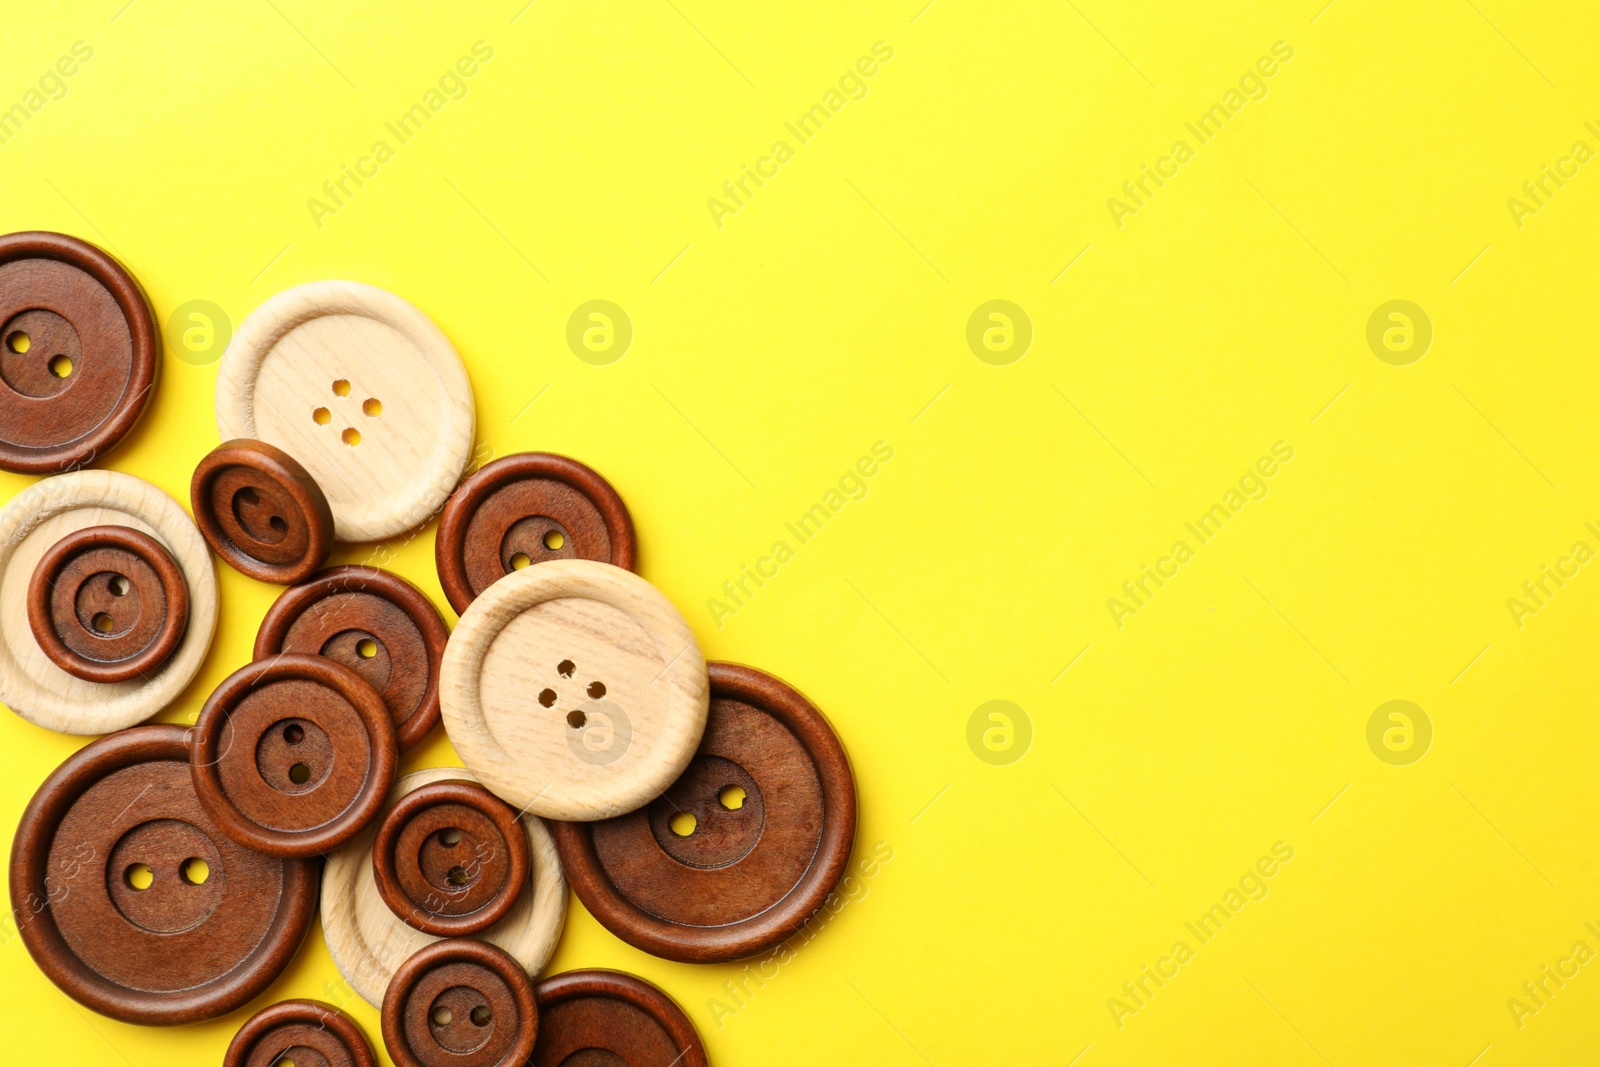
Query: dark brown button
[293, 755]
[610, 1019]
[261, 512]
[460, 1003]
[450, 858]
[300, 1033]
[79, 352]
[108, 603]
[523, 509]
[742, 849]
[377, 624]
[133, 901]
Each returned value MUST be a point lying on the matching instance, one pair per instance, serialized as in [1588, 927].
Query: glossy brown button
[460, 1003]
[377, 624]
[523, 509]
[742, 849]
[293, 755]
[261, 512]
[450, 858]
[108, 603]
[79, 352]
[133, 901]
[610, 1019]
[300, 1033]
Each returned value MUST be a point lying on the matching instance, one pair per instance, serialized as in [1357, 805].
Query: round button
[79, 351]
[602, 1018]
[377, 624]
[742, 849]
[574, 690]
[108, 603]
[131, 899]
[31, 524]
[265, 516]
[460, 1003]
[450, 859]
[364, 390]
[299, 1033]
[523, 509]
[293, 755]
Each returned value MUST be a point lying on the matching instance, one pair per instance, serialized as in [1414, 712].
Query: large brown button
[299, 1033]
[523, 509]
[377, 624]
[742, 849]
[450, 859]
[133, 901]
[460, 1003]
[261, 512]
[293, 755]
[610, 1019]
[79, 351]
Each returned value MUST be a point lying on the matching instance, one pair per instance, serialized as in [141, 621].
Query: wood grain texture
[300, 1033]
[113, 907]
[460, 1003]
[574, 690]
[322, 366]
[749, 873]
[80, 352]
[600, 1018]
[261, 511]
[37, 518]
[368, 941]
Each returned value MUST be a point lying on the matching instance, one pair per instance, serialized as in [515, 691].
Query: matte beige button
[574, 690]
[368, 941]
[38, 518]
[363, 390]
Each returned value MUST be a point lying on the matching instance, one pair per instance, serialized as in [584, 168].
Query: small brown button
[460, 1003]
[610, 1019]
[377, 624]
[261, 512]
[450, 859]
[293, 755]
[131, 899]
[299, 1033]
[742, 849]
[79, 352]
[524, 509]
[108, 603]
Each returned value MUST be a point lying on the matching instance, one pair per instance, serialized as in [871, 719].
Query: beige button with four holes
[361, 388]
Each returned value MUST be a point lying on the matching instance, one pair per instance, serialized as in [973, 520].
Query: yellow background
[769, 354]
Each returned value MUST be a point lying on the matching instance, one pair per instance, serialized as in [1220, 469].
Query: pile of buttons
[703, 812]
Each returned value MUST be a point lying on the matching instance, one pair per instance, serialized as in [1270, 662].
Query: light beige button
[33, 686]
[368, 941]
[363, 390]
[574, 690]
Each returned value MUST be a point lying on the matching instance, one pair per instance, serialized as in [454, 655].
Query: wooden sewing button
[450, 859]
[300, 1033]
[377, 624]
[79, 352]
[368, 941]
[108, 603]
[32, 524]
[573, 690]
[460, 1003]
[528, 508]
[599, 1018]
[741, 850]
[265, 516]
[293, 755]
[361, 388]
[134, 902]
